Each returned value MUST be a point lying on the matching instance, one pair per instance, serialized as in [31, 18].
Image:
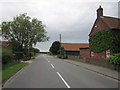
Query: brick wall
[101, 55]
[98, 62]
[85, 53]
[73, 57]
[99, 26]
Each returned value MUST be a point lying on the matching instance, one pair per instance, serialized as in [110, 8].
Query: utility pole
[60, 38]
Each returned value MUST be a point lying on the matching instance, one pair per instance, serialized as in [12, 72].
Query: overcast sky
[73, 19]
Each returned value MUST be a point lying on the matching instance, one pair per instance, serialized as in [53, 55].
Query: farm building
[73, 49]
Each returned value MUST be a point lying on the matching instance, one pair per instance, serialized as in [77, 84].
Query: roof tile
[113, 23]
[74, 46]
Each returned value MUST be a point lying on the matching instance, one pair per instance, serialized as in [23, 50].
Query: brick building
[80, 50]
[102, 23]
[4, 44]
[85, 52]
[75, 50]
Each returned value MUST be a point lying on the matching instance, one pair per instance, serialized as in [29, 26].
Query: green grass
[4, 66]
[11, 69]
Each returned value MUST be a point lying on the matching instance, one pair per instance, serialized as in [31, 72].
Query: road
[49, 72]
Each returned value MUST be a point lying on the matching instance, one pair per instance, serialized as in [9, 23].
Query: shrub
[32, 54]
[59, 56]
[29, 56]
[115, 59]
[7, 56]
[35, 50]
[19, 55]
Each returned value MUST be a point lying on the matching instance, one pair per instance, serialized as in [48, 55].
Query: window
[92, 53]
[108, 53]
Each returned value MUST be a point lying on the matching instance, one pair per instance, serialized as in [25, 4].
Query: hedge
[35, 50]
[19, 55]
[7, 56]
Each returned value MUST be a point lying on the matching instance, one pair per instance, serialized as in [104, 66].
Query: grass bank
[10, 69]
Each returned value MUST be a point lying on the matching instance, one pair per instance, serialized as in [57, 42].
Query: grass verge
[11, 69]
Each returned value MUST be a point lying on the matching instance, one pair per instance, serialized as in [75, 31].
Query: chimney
[99, 12]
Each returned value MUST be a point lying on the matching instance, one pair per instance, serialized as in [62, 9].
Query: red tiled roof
[4, 43]
[113, 23]
[74, 46]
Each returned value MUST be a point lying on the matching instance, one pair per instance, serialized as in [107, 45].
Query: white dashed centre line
[52, 66]
[63, 80]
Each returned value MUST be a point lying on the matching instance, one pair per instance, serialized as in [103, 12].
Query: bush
[32, 54]
[115, 59]
[35, 50]
[59, 56]
[19, 55]
[7, 56]
[29, 56]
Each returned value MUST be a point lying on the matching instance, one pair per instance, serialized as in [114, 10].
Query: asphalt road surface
[49, 72]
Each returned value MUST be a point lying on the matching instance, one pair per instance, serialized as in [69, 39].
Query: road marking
[63, 80]
[52, 66]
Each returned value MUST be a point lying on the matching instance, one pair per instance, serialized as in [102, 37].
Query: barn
[73, 50]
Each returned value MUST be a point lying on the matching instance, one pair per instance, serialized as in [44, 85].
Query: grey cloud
[71, 18]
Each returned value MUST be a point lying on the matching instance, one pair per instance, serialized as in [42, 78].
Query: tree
[62, 51]
[55, 48]
[23, 32]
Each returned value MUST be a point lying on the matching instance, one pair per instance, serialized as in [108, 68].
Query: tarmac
[98, 69]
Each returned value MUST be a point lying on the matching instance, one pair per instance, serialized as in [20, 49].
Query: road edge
[93, 70]
[15, 75]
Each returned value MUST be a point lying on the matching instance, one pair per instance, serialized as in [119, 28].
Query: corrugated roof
[74, 46]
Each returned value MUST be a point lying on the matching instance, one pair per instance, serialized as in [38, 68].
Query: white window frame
[107, 53]
[92, 53]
